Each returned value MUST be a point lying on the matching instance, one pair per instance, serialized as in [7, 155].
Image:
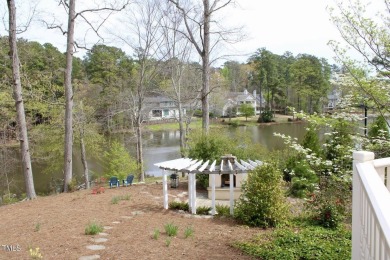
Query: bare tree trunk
[206, 67]
[182, 131]
[140, 151]
[21, 118]
[84, 159]
[69, 98]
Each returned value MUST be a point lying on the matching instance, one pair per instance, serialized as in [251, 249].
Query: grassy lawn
[220, 122]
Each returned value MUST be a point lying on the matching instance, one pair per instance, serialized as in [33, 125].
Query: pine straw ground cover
[56, 225]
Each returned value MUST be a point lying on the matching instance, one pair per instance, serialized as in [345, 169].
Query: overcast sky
[299, 26]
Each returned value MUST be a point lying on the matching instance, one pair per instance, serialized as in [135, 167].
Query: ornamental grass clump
[171, 229]
[262, 203]
[93, 228]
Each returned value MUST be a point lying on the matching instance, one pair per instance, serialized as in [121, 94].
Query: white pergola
[229, 165]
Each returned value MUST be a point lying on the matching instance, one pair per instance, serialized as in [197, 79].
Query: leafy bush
[331, 204]
[178, 205]
[203, 210]
[265, 116]
[311, 141]
[262, 202]
[303, 179]
[171, 229]
[222, 210]
[93, 228]
[310, 242]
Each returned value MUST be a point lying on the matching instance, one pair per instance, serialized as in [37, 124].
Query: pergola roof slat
[212, 167]
[247, 165]
[221, 166]
[230, 166]
[239, 166]
[194, 166]
[201, 169]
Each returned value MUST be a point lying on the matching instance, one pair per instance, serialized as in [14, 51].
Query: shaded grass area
[300, 241]
[217, 123]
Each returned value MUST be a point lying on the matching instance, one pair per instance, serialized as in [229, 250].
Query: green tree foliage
[379, 137]
[218, 143]
[379, 128]
[118, 162]
[311, 140]
[262, 203]
[339, 146]
[246, 110]
[310, 79]
[302, 177]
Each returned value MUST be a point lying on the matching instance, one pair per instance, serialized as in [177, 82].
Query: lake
[158, 146]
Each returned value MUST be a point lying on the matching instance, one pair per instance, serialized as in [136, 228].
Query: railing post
[358, 157]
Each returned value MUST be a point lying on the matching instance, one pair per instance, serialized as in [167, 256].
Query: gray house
[161, 107]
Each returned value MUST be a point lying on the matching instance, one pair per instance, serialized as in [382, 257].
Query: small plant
[37, 227]
[156, 234]
[222, 210]
[178, 205]
[116, 199]
[171, 229]
[35, 254]
[93, 228]
[203, 210]
[189, 232]
[168, 242]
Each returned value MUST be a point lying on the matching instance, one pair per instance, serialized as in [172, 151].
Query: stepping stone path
[102, 239]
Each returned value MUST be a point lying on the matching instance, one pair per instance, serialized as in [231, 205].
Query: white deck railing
[370, 207]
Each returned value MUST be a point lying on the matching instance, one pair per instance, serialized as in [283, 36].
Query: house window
[156, 113]
[166, 112]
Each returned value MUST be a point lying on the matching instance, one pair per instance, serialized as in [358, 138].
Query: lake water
[158, 147]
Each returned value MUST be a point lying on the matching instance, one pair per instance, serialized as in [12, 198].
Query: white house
[235, 99]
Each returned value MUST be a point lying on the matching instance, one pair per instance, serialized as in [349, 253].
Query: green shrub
[171, 229]
[310, 242]
[222, 210]
[93, 228]
[265, 116]
[203, 210]
[178, 205]
[262, 202]
[331, 204]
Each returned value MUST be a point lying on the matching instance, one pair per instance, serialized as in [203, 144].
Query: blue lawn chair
[114, 182]
[128, 181]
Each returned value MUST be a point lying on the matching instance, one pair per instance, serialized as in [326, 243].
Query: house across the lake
[160, 107]
[235, 99]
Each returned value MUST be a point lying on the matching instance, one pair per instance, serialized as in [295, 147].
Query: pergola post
[165, 190]
[193, 184]
[231, 182]
[213, 194]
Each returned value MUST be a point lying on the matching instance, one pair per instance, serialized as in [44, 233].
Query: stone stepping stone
[115, 222]
[107, 227]
[96, 247]
[90, 257]
[103, 234]
[99, 240]
[127, 217]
